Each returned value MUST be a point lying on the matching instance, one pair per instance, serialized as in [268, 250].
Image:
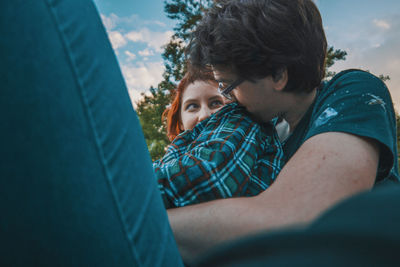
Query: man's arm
[326, 169]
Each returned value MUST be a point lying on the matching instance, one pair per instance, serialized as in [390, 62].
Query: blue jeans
[76, 181]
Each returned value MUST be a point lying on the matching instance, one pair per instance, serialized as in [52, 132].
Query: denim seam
[90, 119]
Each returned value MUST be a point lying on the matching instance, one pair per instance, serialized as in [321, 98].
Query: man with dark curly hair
[270, 56]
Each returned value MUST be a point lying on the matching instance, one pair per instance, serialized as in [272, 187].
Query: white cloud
[117, 39]
[109, 22]
[135, 36]
[159, 23]
[140, 77]
[146, 52]
[112, 21]
[381, 24]
[131, 56]
[153, 39]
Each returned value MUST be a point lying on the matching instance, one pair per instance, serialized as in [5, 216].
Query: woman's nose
[204, 113]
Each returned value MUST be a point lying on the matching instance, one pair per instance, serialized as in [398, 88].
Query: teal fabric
[353, 102]
[77, 186]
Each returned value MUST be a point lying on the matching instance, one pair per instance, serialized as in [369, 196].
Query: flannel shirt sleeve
[226, 155]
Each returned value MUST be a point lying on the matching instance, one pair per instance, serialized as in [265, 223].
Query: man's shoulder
[353, 87]
[352, 73]
[352, 78]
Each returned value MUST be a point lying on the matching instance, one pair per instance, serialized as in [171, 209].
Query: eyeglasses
[226, 91]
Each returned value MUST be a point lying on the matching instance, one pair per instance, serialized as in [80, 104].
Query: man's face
[259, 98]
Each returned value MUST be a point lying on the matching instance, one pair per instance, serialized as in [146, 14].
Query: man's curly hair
[258, 38]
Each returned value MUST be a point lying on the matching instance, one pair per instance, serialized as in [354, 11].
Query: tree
[149, 110]
[332, 56]
[187, 13]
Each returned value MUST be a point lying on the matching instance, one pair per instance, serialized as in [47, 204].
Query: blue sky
[369, 30]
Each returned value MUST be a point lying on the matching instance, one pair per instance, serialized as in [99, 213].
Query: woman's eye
[191, 106]
[216, 103]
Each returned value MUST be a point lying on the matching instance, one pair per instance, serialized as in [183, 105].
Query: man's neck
[299, 104]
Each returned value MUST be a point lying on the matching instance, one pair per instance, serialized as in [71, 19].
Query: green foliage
[384, 77]
[186, 13]
[149, 110]
[174, 58]
[332, 56]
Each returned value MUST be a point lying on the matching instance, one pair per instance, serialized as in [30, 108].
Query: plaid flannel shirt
[226, 155]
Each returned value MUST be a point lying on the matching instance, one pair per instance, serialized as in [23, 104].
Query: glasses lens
[221, 87]
[228, 96]
[222, 90]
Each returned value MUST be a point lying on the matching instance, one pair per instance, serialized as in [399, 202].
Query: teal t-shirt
[355, 102]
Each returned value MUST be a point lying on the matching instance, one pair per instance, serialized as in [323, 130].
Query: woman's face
[199, 101]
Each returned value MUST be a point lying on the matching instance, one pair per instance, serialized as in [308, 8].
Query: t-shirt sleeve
[359, 103]
[230, 153]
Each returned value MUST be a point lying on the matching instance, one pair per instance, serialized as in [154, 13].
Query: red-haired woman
[217, 150]
[196, 98]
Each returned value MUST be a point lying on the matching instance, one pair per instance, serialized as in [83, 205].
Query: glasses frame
[227, 91]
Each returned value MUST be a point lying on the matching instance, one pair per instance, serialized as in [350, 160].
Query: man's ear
[280, 80]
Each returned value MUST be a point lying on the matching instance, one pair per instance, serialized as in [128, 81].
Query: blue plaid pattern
[226, 155]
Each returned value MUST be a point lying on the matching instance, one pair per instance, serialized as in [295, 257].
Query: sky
[368, 30]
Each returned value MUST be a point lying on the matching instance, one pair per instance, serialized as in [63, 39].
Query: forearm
[200, 227]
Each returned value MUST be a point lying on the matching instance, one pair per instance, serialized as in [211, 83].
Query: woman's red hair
[173, 113]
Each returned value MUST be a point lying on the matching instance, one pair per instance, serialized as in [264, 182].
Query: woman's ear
[280, 80]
